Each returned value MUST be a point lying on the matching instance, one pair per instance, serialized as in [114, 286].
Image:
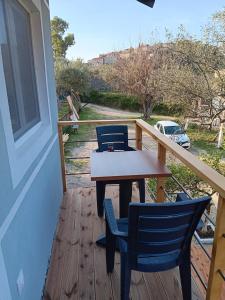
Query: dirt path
[108, 111]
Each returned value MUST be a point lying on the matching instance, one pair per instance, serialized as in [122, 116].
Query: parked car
[174, 132]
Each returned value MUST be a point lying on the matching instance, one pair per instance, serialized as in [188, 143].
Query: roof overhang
[149, 3]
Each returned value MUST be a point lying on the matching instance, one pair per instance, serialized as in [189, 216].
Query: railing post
[61, 146]
[160, 195]
[138, 137]
[218, 254]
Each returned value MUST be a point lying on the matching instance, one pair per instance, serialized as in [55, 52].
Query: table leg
[100, 195]
[125, 195]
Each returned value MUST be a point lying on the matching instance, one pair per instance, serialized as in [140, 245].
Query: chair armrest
[111, 220]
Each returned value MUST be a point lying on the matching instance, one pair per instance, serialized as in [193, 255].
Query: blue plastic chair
[114, 138]
[154, 238]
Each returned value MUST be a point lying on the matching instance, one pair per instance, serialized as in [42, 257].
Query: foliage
[193, 72]
[137, 75]
[130, 103]
[100, 77]
[168, 109]
[71, 76]
[71, 79]
[60, 42]
[115, 100]
[204, 139]
[189, 180]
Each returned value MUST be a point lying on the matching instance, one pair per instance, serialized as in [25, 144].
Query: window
[18, 64]
[161, 129]
[173, 130]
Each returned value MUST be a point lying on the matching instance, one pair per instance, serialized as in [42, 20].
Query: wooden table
[123, 166]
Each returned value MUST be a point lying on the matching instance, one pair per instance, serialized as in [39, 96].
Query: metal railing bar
[195, 235]
[80, 173]
[146, 147]
[81, 141]
[221, 274]
[181, 186]
[90, 141]
[201, 245]
[151, 193]
[186, 192]
[199, 277]
[76, 158]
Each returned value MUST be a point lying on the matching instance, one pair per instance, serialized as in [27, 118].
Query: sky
[103, 26]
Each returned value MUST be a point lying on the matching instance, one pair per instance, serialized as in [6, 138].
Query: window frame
[23, 152]
[10, 25]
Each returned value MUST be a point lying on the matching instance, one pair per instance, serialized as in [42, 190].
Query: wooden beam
[206, 173]
[138, 131]
[218, 255]
[97, 122]
[61, 146]
[160, 196]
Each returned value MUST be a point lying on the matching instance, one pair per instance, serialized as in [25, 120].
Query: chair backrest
[115, 135]
[163, 228]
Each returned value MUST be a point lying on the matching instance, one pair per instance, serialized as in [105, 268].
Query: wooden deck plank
[103, 288]
[155, 287]
[77, 268]
[86, 258]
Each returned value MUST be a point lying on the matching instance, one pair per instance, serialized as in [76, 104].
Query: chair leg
[110, 250]
[125, 277]
[185, 276]
[141, 185]
[100, 195]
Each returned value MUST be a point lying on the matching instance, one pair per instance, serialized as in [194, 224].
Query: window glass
[161, 129]
[173, 130]
[19, 69]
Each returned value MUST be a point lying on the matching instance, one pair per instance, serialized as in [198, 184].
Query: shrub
[114, 100]
[168, 109]
[131, 103]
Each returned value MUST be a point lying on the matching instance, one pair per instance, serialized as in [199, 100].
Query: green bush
[114, 100]
[168, 109]
[188, 179]
[131, 103]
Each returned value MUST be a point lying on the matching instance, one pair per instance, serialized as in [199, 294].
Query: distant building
[111, 57]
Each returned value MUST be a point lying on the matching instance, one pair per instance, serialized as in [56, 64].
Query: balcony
[77, 268]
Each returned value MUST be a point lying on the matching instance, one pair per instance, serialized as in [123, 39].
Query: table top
[126, 165]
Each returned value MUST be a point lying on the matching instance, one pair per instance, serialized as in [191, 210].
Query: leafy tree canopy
[60, 42]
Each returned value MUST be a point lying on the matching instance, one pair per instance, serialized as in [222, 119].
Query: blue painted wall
[28, 240]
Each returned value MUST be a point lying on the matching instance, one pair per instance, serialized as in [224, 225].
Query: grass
[205, 141]
[84, 132]
[64, 109]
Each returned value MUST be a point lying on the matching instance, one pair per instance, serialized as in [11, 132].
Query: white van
[174, 132]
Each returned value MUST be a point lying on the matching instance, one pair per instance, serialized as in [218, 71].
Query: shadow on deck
[77, 268]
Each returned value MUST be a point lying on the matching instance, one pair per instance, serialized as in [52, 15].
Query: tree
[137, 75]
[193, 74]
[60, 43]
[71, 80]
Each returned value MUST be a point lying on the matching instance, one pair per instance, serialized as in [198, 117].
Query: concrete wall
[29, 206]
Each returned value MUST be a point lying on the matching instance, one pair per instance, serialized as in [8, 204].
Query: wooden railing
[203, 171]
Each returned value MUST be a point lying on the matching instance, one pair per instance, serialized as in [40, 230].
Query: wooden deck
[77, 268]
